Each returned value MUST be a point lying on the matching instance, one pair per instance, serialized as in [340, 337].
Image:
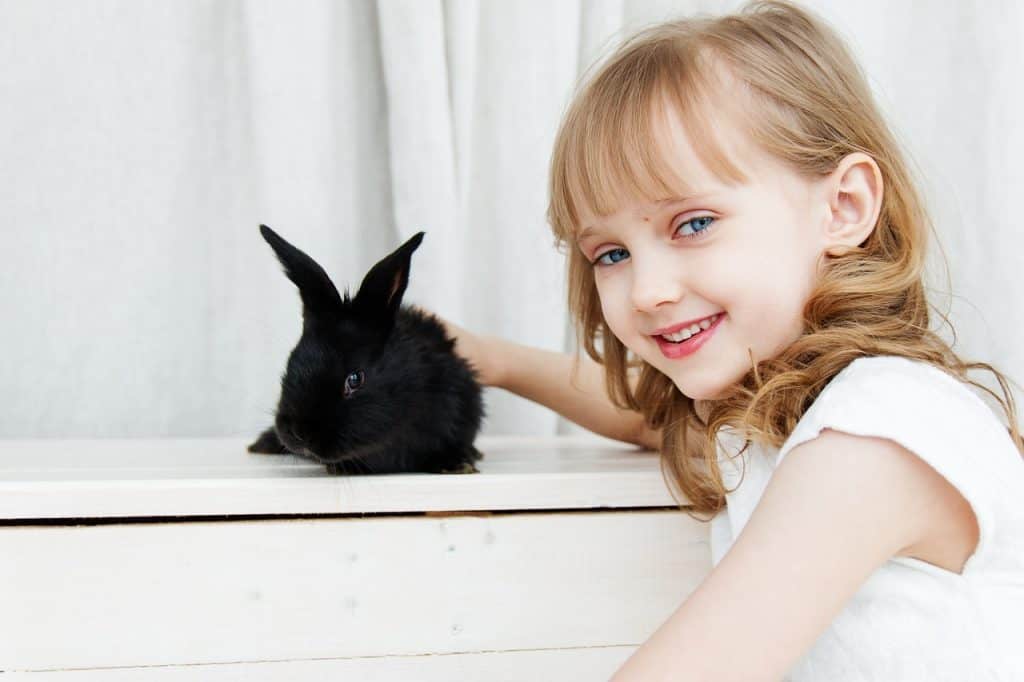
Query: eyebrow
[591, 229]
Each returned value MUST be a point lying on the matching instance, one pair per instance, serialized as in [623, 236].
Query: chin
[700, 395]
[710, 390]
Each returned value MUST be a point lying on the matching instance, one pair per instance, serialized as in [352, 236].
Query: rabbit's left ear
[381, 291]
[320, 299]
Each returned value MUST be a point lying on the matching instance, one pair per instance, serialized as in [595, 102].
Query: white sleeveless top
[911, 620]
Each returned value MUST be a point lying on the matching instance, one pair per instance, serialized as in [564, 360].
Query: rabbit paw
[268, 444]
[464, 468]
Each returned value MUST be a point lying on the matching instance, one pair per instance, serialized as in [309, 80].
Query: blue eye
[700, 224]
[600, 259]
[704, 221]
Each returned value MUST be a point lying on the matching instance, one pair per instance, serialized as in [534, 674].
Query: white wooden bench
[190, 559]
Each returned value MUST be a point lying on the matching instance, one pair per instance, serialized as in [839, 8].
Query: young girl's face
[747, 253]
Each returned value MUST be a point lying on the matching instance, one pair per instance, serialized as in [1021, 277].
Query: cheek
[615, 307]
[754, 281]
[611, 305]
[775, 299]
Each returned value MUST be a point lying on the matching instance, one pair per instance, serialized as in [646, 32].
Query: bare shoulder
[940, 524]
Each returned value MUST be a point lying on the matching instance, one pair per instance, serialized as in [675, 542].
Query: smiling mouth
[686, 333]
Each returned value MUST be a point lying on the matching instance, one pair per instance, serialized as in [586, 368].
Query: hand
[477, 349]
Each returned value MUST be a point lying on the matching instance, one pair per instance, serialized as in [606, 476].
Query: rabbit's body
[372, 386]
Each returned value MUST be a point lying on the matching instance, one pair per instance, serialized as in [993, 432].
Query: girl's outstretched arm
[835, 510]
[545, 377]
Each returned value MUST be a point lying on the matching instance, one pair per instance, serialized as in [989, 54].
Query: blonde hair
[809, 106]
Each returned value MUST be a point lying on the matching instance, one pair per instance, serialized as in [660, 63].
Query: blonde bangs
[611, 149]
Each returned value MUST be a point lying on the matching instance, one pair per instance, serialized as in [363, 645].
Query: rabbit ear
[381, 291]
[319, 296]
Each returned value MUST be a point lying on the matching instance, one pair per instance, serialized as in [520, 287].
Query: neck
[702, 408]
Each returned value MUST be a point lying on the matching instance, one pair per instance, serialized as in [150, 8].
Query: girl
[745, 259]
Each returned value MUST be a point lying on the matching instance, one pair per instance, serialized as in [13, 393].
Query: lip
[691, 345]
[682, 325]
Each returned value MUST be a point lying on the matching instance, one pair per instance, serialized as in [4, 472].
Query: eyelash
[696, 235]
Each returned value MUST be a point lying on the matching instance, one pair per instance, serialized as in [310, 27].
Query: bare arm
[835, 509]
[546, 378]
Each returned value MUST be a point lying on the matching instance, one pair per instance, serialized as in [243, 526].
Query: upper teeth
[684, 334]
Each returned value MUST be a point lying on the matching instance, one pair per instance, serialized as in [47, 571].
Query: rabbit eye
[353, 381]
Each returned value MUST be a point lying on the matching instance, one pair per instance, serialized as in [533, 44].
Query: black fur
[419, 406]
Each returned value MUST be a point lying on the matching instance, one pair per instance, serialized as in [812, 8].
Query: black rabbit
[372, 386]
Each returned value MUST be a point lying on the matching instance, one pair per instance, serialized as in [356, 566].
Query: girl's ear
[320, 298]
[854, 193]
[381, 291]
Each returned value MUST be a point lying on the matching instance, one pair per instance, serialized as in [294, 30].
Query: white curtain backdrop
[142, 142]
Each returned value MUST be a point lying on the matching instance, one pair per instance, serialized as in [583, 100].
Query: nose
[656, 281]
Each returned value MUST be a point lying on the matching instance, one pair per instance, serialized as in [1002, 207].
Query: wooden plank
[247, 591]
[504, 666]
[48, 479]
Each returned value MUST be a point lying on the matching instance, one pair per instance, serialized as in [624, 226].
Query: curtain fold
[422, 150]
